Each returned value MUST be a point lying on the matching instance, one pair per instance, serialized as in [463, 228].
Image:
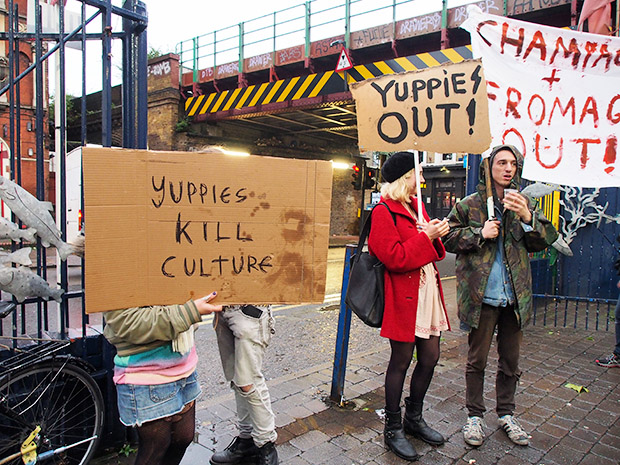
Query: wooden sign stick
[490, 204]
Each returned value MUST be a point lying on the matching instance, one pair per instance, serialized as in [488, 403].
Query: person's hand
[435, 228]
[517, 203]
[204, 307]
[490, 230]
[618, 285]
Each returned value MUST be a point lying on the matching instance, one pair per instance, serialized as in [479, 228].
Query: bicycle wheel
[63, 400]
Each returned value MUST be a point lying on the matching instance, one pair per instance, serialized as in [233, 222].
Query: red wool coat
[403, 249]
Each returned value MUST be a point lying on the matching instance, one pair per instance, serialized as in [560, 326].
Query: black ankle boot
[240, 450]
[394, 437]
[417, 427]
[268, 455]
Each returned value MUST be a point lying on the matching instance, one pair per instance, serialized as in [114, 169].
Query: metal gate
[580, 290]
[33, 33]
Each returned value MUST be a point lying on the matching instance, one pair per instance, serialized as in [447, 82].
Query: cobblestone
[566, 427]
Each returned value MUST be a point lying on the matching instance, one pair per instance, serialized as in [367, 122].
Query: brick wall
[165, 111]
[164, 102]
[345, 203]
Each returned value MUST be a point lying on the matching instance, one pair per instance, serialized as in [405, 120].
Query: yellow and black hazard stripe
[314, 85]
[410, 63]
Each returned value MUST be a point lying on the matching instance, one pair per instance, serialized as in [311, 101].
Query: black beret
[397, 165]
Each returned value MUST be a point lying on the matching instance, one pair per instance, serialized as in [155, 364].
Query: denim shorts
[138, 404]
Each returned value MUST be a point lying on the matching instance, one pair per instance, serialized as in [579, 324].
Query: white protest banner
[554, 94]
[441, 109]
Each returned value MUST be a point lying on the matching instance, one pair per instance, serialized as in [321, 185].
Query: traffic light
[357, 176]
[370, 178]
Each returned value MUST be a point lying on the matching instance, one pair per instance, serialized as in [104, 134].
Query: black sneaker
[268, 455]
[240, 450]
[612, 360]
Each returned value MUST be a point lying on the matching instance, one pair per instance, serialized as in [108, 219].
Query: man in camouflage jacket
[494, 283]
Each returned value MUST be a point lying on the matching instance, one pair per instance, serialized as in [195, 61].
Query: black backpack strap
[366, 228]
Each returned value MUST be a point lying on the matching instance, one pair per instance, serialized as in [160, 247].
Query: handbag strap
[366, 229]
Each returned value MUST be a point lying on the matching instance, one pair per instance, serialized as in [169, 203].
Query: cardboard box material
[441, 109]
[167, 227]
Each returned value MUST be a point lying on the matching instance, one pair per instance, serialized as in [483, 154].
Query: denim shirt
[498, 292]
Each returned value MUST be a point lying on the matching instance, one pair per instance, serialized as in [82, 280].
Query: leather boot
[417, 427]
[268, 455]
[394, 437]
[238, 451]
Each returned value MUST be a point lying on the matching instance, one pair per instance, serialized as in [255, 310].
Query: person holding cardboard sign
[492, 237]
[155, 375]
[243, 334]
[414, 315]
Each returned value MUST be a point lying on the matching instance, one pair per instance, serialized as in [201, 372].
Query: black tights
[164, 441]
[400, 359]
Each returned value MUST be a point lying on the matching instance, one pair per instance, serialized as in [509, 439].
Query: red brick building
[21, 139]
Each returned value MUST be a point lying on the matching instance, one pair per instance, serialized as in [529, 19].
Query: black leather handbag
[365, 293]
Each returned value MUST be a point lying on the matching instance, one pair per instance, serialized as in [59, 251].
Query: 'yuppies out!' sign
[441, 109]
[553, 93]
[167, 227]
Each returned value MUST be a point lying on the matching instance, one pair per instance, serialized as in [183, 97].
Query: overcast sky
[169, 26]
[171, 22]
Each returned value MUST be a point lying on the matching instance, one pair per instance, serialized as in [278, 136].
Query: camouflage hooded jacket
[475, 255]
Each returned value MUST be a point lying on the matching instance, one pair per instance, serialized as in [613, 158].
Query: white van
[73, 182]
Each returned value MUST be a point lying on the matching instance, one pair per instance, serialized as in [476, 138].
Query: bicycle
[51, 410]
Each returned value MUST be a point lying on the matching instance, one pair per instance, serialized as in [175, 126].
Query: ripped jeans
[243, 333]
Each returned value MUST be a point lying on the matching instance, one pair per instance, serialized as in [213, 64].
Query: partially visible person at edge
[494, 284]
[243, 334]
[155, 375]
[415, 312]
[613, 360]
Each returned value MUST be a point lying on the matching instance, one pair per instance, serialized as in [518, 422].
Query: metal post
[60, 150]
[128, 88]
[445, 41]
[106, 60]
[363, 192]
[195, 59]
[347, 24]
[134, 76]
[342, 336]
[141, 75]
[618, 18]
[83, 99]
[241, 32]
[472, 175]
[308, 26]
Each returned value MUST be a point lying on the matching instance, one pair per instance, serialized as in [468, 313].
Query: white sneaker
[473, 432]
[514, 431]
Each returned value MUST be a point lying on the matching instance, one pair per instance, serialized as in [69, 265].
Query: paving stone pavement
[567, 427]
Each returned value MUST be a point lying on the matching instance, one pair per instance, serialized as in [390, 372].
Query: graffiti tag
[159, 69]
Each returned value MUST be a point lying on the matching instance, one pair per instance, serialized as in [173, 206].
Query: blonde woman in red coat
[415, 312]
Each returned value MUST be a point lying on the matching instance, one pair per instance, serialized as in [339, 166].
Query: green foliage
[154, 53]
[127, 450]
[182, 126]
[72, 111]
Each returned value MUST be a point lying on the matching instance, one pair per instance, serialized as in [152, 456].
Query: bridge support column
[163, 102]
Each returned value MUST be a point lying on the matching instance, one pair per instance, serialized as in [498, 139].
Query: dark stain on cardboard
[294, 225]
[287, 271]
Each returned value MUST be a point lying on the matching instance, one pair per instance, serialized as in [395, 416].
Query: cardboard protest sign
[554, 94]
[440, 109]
[167, 227]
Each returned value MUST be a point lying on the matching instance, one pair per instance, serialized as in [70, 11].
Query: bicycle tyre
[60, 397]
